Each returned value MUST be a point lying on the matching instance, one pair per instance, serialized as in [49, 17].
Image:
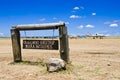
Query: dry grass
[92, 59]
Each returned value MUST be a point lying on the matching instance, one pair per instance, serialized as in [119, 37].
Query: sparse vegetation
[91, 60]
[80, 79]
[29, 63]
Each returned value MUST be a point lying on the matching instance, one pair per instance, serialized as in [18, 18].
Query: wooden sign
[41, 44]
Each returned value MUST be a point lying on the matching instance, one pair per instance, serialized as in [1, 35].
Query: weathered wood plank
[39, 26]
[64, 45]
[15, 36]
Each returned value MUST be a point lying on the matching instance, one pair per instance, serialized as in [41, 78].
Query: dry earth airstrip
[92, 59]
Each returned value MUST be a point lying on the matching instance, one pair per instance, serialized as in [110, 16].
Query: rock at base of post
[55, 64]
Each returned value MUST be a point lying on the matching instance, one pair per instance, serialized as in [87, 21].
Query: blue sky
[81, 16]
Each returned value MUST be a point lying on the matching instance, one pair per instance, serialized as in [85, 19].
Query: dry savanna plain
[91, 59]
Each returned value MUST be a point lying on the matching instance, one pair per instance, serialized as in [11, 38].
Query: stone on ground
[55, 64]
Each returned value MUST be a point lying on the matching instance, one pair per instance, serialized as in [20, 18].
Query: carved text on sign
[40, 44]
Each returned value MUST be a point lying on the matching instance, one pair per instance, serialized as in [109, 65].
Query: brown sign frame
[63, 38]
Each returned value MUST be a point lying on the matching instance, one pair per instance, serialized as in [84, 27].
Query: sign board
[41, 44]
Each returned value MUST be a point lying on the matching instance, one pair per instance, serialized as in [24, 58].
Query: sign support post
[15, 36]
[64, 45]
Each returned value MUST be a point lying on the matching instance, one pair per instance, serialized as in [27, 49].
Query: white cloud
[76, 8]
[113, 25]
[61, 21]
[82, 7]
[94, 14]
[1, 34]
[86, 26]
[42, 19]
[54, 18]
[108, 34]
[65, 22]
[80, 27]
[116, 21]
[89, 26]
[74, 16]
[107, 22]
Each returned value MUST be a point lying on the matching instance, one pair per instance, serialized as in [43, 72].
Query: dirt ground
[92, 59]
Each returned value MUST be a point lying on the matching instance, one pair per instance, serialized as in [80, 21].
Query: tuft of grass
[69, 69]
[116, 77]
[80, 67]
[29, 63]
[97, 69]
[80, 79]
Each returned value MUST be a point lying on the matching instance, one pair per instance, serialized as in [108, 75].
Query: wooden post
[64, 45]
[15, 36]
